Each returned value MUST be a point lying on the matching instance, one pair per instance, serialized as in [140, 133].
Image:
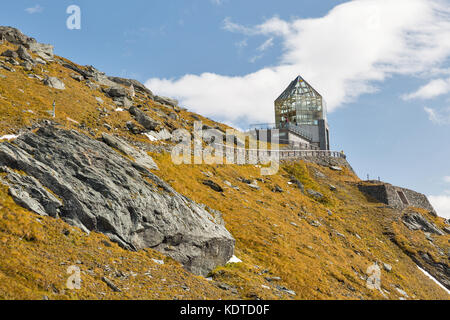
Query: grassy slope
[274, 232]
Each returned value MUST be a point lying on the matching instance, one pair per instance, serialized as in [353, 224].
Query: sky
[383, 67]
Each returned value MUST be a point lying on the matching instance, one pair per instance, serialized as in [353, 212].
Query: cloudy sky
[382, 65]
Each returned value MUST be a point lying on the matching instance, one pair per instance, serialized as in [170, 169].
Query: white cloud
[447, 179]
[441, 204]
[432, 89]
[438, 117]
[266, 45]
[36, 9]
[343, 55]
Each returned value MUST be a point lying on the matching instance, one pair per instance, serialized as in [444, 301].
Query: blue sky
[382, 65]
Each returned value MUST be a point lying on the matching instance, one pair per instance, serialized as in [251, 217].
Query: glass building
[301, 115]
[300, 104]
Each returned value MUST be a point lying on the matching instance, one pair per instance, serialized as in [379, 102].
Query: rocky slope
[98, 169]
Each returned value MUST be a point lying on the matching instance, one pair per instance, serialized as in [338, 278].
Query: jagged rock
[5, 67]
[213, 185]
[298, 184]
[10, 54]
[102, 191]
[116, 92]
[163, 135]
[77, 77]
[24, 55]
[315, 194]
[387, 267]
[55, 83]
[166, 101]
[134, 129]
[111, 285]
[30, 194]
[278, 189]
[139, 87]
[14, 36]
[120, 96]
[28, 66]
[143, 119]
[140, 157]
[12, 62]
[415, 221]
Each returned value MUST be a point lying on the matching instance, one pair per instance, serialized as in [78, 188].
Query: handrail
[288, 154]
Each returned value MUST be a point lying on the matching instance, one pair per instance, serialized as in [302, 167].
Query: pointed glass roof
[299, 87]
[300, 104]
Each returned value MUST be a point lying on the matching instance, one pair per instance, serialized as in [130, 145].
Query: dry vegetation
[319, 249]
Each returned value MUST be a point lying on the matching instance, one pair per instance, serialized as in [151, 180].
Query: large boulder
[166, 101]
[55, 83]
[143, 119]
[89, 185]
[139, 87]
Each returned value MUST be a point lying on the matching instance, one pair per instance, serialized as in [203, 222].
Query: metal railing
[280, 154]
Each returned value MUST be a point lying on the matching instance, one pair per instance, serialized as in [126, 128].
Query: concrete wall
[396, 197]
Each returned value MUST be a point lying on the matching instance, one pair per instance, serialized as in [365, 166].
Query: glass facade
[300, 104]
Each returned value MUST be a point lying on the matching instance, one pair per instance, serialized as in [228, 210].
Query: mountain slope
[293, 244]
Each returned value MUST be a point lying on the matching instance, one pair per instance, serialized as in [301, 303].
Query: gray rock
[30, 194]
[12, 62]
[139, 87]
[166, 101]
[10, 54]
[213, 185]
[163, 135]
[143, 119]
[55, 83]
[298, 184]
[111, 285]
[278, 189]
[102, 191]
[447, 230]
[14, 36]
[139, 156]
[254, 186]
[415, 221]
[27, 65]
[387, 267]
[315, 194]
[77, 77]
[116, 92]
[24, 54]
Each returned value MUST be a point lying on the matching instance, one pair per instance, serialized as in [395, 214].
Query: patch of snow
[234, 259]
[119, 110]
[432, 278]
[9, 137]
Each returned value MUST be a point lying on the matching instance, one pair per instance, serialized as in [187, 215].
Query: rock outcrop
[14, 36]
[89, 185]
[143, 119]
[415, 221]
[54, 83]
